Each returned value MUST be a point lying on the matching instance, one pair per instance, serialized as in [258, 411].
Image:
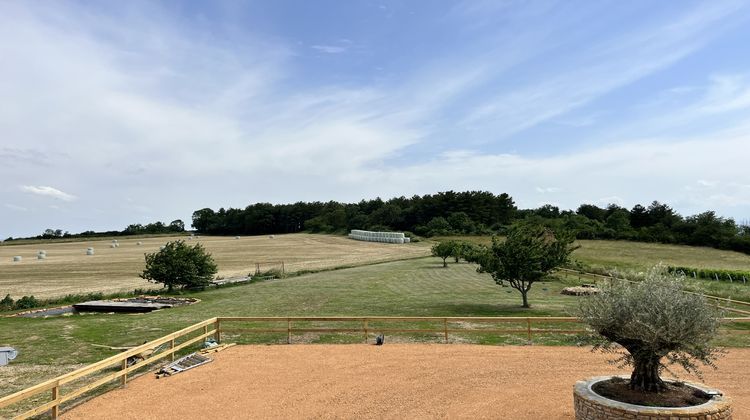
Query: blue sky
[114, 113]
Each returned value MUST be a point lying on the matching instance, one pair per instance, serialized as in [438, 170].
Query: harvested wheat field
[392, 381]
[67, 269]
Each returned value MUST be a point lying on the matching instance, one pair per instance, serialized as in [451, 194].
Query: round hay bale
[112, 245]
[236, 237]
[41, 252]
[580, 291]
[41, 256]
[90, 251]
[17, 258]
[271, 236]
[139, 243]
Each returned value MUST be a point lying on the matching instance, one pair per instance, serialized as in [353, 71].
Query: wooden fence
[175, 341]
[117, 368]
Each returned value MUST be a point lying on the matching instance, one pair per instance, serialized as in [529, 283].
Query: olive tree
[652, 324]
[529, 253]
[178, 264]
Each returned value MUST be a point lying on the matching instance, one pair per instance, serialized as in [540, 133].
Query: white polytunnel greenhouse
[387, 237]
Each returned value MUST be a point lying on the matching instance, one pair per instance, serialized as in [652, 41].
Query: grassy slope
[640, 255]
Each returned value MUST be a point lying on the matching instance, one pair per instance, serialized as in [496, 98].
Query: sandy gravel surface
[392, 381]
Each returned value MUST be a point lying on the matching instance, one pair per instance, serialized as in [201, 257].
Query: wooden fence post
[445, 328]
[288, 331]
[171, 348]
[124, 377]
[55, 411]
[364, 327]
[528, 328]
[217, 328]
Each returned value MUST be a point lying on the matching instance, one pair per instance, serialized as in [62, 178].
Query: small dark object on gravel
[379, 340]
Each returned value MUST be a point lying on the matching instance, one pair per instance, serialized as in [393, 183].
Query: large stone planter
[592, 406]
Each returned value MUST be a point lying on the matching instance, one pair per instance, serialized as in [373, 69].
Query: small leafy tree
[179, 264]
[465, 250]
[656, 323]
[444, 250]
[529, 253]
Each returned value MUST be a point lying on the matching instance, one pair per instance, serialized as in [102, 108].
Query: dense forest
[477, 212]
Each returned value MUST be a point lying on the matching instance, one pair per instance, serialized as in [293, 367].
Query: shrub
[7, 303]
[26, 302]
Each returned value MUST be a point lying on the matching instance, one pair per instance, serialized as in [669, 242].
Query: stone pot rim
[587, 384]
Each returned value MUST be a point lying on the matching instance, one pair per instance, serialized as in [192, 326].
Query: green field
[641, 255]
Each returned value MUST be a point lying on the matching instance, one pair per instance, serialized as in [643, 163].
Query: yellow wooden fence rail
[217, 326]
[55, 385]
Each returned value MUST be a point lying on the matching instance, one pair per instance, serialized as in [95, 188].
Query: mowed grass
[68, 270]
[418, 287]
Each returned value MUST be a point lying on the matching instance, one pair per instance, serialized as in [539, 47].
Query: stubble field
[68, 270]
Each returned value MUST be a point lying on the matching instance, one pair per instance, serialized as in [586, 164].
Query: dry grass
[68, 270]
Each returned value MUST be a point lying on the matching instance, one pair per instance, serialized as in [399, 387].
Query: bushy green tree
[529, 253]
[444, 250]
[465, 250]
[656, 323]
[180, 265]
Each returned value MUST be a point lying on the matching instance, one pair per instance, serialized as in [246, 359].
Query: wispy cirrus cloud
[329, 49]
[600, 69]
[47, 192]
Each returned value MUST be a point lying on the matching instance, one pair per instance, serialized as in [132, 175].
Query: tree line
[175, 226]
[477, 213]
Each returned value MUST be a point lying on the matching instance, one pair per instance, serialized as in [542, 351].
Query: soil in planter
[676, 395]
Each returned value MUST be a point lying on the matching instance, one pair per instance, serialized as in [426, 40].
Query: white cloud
[15, 207]
[544, 190]
[48, 192]
[330, 49]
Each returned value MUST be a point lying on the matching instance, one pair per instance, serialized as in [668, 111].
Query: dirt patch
[676, 395]
[390, 381]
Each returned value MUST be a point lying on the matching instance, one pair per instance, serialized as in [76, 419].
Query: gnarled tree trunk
[645, 376]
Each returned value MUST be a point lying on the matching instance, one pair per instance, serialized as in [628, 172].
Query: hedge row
[713, 274]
